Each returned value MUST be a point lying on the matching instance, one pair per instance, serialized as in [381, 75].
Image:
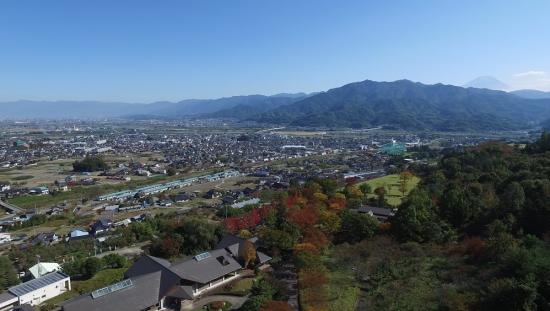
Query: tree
[278, 239]
[198, 235]
[365, 188]
[247, 252]
[8, 276]
[514, 197]
[417, 220]
[171, 171]
[261, 292]
[114, 261]
[357, 227]
[329, 222]
[90, 164]
[91, 266]
[404, 179]
[245, 234]
[381, 194]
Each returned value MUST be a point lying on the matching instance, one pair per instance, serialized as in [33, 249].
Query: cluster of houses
[161, 187]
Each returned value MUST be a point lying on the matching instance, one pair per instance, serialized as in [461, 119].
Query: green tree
[91, 266]
[514, 196]
[114, 261]
[381, 195]
[417, 220]
[357, 227]
[8, 276]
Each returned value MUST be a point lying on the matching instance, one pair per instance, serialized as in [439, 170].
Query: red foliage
[249, 220]
[303, 217]
[292, 201]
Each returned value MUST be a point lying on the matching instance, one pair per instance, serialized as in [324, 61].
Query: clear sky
[143, 51]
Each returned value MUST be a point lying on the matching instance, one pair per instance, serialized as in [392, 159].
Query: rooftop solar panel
[202, 256]
[112, 288]
[35, 284]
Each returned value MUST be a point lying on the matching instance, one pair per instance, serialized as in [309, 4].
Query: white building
[4, 187]
[35, 292]
[5, 237]
[43, 268]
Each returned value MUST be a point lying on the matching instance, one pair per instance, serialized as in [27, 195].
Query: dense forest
[474, 235]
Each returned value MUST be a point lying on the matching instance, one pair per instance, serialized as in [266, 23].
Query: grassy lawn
[342, 291]
[22, 177]
[391, 183]
[242, 287]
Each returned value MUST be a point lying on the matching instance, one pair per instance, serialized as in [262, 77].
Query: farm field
[391, 183]
[42, 173]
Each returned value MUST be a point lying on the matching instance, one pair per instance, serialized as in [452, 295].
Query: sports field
[391, 183]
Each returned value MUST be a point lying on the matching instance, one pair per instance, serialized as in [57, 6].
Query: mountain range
[531, 94]
[401, 104]
[409, 105]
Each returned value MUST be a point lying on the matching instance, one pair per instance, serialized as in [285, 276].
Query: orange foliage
[313, 291]
[305, 247]
[316, 237]
[337, 203]
[384, 227]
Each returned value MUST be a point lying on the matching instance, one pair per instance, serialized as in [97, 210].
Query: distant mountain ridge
[411, 105]
[27, 109]
[531, 94]
[401, 104]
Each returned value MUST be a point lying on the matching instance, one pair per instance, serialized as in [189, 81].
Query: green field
[81, 192]
[391, 183]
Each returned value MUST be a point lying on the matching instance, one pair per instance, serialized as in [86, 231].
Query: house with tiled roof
[154, 283]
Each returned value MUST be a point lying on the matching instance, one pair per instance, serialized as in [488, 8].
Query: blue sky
[143, 51]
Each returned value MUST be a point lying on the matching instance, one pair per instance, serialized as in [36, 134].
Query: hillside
[253, 108]
[531, 94]
[409, 105]
[227, 107]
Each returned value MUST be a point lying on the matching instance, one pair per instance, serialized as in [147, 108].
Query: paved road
[236, 302]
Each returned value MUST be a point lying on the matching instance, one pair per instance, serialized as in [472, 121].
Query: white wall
[40, 295]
